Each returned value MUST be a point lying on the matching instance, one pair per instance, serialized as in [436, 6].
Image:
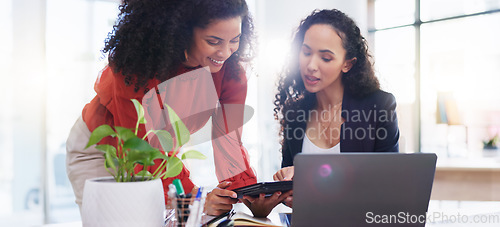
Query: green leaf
[124, 133]
[139, 151]
[174, 167]
[145, 173]
[192, 154]
[140, 157]
[181, 132]
[111, 160]
[145, 158]
[137, 144]
[165, 139]
[106, 148]
[140, 111]
[159, 155]
[99, 133]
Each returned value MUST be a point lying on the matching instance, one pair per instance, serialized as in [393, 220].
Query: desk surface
[472, 164]
[442, 213]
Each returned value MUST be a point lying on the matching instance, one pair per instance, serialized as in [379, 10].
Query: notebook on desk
[362, 189]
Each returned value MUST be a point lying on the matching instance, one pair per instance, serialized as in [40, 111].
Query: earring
[186, 56]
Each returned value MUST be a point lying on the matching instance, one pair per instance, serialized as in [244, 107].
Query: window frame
[416, 25]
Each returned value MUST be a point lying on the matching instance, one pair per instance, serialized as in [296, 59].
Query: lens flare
[325, 170]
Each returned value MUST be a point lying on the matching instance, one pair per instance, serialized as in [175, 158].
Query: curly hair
[359, 81]
[150, 37]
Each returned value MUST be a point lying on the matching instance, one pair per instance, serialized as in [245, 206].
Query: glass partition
[439, 9]
[459, 62]
[390, 13]
[454, 53]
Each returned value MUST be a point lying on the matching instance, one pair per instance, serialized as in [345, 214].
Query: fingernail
[234, 195]
[279, 193]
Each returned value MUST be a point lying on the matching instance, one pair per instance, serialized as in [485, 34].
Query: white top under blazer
[309, 147]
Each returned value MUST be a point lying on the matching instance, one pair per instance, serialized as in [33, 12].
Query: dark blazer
[370, 126]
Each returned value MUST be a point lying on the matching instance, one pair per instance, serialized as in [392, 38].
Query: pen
[179, 188]
[195, 210]
[216, 219]
[202, 206]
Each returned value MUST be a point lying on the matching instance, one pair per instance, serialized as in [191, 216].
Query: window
[49, 59]
[395, 68]
[74, 39]
[442, 9]
[6, 163]
[446, 57]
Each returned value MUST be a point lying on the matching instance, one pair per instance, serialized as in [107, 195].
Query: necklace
[329, 116]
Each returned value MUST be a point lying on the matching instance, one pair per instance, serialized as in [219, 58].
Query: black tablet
[267, 188]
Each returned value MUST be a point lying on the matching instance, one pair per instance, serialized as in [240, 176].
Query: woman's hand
[285, 174]
[262, 206]
[220, 200]
[289, 200]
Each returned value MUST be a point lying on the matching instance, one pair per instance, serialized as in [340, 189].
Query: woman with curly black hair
[329, 99]
[153, 42]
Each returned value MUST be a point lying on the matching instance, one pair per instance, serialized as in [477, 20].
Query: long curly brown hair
[359, 81]
[150, 37]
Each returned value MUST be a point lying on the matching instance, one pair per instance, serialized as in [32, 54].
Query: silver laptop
[362, 189]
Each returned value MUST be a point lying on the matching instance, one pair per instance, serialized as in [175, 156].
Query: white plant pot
[109, 203]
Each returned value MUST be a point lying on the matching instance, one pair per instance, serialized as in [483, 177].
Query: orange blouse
[112, 106]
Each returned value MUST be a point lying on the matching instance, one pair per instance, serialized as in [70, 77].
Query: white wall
[279, 17]
[28, 80]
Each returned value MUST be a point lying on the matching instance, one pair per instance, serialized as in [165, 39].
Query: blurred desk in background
[476, 179]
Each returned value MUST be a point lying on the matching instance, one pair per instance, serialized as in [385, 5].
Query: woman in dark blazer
[370, 126]
[329, 99]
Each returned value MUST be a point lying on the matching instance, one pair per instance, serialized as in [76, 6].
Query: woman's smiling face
[322, 58]
[213, 45]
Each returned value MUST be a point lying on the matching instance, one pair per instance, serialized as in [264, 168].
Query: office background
[440, 58]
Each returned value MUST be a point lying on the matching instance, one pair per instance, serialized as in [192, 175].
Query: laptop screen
[362, 189]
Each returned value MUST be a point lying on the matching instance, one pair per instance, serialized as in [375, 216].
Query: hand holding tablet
[267, 188]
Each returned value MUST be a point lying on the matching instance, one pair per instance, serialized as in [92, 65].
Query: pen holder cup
[182, 210]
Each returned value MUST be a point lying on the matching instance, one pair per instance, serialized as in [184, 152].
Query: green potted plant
[130, 198]
[491, 143]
